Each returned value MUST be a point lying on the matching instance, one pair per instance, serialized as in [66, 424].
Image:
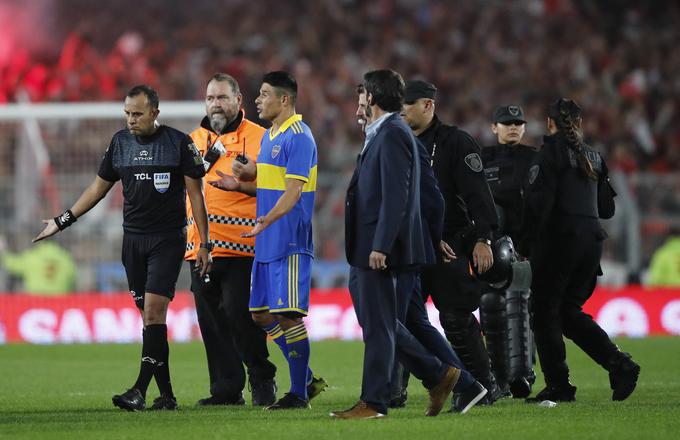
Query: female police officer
[504, 314]
[566, 192]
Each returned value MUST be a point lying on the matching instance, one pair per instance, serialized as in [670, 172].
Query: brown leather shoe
[359, 411]
[440, 393]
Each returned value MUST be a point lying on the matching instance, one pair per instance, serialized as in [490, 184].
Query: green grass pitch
[65, 392]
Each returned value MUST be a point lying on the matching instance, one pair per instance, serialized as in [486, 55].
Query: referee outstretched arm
[87, 200]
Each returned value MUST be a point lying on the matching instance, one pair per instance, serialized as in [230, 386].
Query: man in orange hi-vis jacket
[229, 334]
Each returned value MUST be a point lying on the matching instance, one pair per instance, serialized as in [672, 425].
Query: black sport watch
[209, 246]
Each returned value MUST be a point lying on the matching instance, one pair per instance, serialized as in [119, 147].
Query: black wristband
[209, 246]
[65, 219]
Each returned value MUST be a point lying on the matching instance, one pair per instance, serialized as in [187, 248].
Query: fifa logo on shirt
[161, 181]
[143, 155]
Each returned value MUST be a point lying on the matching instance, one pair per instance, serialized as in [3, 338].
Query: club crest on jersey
[161, 181]
[474, 162]
[276, 149]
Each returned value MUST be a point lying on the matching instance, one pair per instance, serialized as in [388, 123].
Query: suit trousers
[418, 324]
[376, 302]
[229, 335]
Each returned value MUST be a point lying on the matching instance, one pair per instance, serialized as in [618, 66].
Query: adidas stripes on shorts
[282, 285]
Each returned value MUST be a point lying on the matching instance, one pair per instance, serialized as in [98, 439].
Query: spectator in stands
[46, 269]
[616, 75]
[664, 270]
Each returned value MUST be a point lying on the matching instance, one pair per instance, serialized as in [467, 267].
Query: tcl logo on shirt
[161, 181]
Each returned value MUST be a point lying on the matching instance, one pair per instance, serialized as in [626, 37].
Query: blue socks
[298, 358]
[294, 344]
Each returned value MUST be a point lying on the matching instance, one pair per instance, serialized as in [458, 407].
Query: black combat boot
[562, 393]
[623, 376]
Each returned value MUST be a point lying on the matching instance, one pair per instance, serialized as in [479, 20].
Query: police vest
[506, 168]
[576, 192]
[230, 213]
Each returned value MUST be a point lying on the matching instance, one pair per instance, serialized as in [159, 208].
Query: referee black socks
[154, 355]
[162, 373]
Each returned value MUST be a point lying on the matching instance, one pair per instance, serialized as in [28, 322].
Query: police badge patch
[533, 174]
[276, 149]
[513, 110]
[474, 162]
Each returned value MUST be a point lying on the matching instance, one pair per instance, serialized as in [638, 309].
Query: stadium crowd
[479, 56]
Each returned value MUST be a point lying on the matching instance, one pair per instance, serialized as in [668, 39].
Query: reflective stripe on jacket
[229, 213]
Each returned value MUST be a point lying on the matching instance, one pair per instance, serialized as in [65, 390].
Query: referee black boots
[131, 400]
[164, 403]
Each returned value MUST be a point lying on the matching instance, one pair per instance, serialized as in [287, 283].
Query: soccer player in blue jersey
[285, 186]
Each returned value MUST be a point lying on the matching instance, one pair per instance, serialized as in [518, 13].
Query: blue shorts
[282, 285]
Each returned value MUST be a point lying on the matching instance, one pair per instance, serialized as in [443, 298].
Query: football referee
[155, 164]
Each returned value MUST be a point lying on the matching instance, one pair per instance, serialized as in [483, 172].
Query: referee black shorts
[152, 262]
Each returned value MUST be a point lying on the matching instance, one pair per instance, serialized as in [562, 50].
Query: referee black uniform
[151, 170]
[156, 165]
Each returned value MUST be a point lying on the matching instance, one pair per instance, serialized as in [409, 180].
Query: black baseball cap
[416, 89]
[508, 113]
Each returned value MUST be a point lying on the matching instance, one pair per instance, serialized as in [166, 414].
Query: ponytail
[566, 114]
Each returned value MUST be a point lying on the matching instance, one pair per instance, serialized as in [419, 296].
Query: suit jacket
[382, 207]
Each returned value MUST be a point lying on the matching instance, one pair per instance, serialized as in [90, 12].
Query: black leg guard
[465, 335]
[494, 319]
[521, 367]
[463, 332]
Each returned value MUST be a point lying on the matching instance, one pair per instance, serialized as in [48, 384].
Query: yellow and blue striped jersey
[288, 153]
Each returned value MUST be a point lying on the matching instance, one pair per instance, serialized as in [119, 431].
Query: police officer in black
[504, 314]
[567, 191]
[156, 165]
[469, 221]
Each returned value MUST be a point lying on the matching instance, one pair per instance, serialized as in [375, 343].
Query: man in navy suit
[384, 238]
